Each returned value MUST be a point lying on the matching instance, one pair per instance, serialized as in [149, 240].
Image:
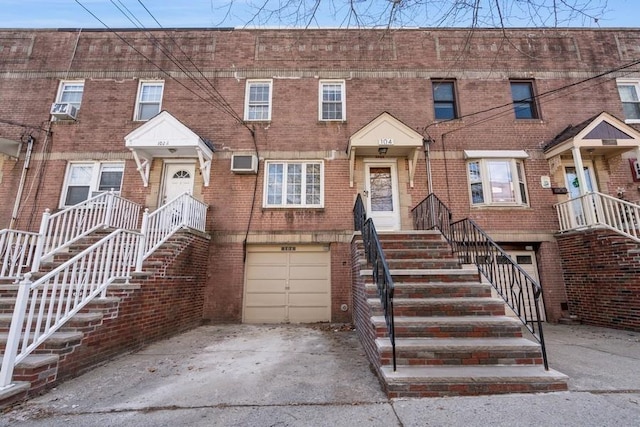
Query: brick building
[278, 131]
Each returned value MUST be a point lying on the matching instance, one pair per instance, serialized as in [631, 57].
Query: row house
[531, 133]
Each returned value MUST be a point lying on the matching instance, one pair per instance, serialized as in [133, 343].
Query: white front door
[381, 194]
[178, 179]
[578, 217]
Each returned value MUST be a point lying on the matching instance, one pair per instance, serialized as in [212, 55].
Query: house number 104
[385, 141]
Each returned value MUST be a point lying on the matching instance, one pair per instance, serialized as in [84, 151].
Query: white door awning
[10, 148]
[166, 136]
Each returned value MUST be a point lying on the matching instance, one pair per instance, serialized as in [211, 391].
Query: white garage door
[287, 284]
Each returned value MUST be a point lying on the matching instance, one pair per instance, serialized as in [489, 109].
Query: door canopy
[603, 134]
[166, 136]
[385, 136]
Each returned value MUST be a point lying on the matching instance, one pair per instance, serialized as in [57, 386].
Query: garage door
[287, 284]
[526, 260]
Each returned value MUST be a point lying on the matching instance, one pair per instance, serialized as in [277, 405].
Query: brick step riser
[444, 310]
[429, 254]
[466, 358]
[422, 264]
[452, 277]
[39, 377]
[421, 331]
[413, 390]
[410, 236]
[440, 292]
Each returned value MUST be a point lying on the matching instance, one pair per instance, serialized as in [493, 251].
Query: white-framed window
[148, 100]
[629, 91]
[498, 181]
[332, 100]
[294, 184]
[70, 92]
[258, 100]
[86, 179]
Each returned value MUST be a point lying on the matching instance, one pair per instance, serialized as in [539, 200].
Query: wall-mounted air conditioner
[64, 111]
[244, 163]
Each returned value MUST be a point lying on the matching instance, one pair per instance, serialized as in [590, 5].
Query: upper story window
[258, 100]
[444, 100]
[70, 92]
[497, 182]
[87, 179]
[294, 184]
[629, 91]
[149, 100]
[524, 102]
[332, 100]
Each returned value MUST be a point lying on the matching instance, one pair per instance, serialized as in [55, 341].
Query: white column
[577, 161]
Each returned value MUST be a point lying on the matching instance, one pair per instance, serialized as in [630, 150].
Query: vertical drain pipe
[23, 178]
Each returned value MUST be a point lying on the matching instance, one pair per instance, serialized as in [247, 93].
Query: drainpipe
[23, 178]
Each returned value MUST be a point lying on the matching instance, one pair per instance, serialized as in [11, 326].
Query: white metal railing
[17, 252]
[600, 210]
[157, 227]
[44, 305]
[61, 229]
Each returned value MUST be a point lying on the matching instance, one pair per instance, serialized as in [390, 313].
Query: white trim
[495, 154]
[393, 221]
[629, 82]
[246, 99]
[142, 83]
[343, 93]
[64, 83]
[284, 205]
[487, 193]
[94, 182]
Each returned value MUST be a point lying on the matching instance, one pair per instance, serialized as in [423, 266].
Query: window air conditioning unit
[244, 163]
[64, 111]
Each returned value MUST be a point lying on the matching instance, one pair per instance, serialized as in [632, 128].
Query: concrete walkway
[245, 375]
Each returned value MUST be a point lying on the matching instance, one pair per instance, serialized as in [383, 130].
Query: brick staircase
[452, 337]
[102, 329]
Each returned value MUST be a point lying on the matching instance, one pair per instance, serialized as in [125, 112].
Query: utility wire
[151, 61]
[224, 101]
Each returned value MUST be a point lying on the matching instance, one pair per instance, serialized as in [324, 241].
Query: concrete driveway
[248, 375]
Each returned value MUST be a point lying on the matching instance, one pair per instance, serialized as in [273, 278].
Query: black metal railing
[473, 246]
[381, 274]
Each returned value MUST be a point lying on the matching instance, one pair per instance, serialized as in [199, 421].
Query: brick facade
[601, 271]
[382, 71]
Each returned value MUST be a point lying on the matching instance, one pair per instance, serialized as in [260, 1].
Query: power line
[154, 64]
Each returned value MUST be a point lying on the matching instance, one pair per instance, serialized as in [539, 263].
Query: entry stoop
[452, 337]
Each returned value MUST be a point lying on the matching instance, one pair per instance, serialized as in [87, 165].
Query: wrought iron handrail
[159, 226]
[45, 305]
[600, 210]
[380, 268]
[473, 246]
[63, 228]
[17, 252]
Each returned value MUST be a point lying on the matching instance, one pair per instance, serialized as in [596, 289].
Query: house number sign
[163, 143]
[385, 141]
[287, 248]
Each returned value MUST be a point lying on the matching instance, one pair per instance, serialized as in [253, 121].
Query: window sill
[530, 121]
[332, 121]
[290, 208]
[500, 207]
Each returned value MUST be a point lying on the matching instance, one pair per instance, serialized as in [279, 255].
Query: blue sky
[201, 13]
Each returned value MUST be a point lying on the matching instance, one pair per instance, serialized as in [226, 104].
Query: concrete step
[57, 340]
[15, 394]
[435, 290]
[428, 275]
[450, 327]
[460, 351]
[440, 381]
[442, 306]
[78, 320]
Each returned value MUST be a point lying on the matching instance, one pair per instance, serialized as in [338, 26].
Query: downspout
[23, 179]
